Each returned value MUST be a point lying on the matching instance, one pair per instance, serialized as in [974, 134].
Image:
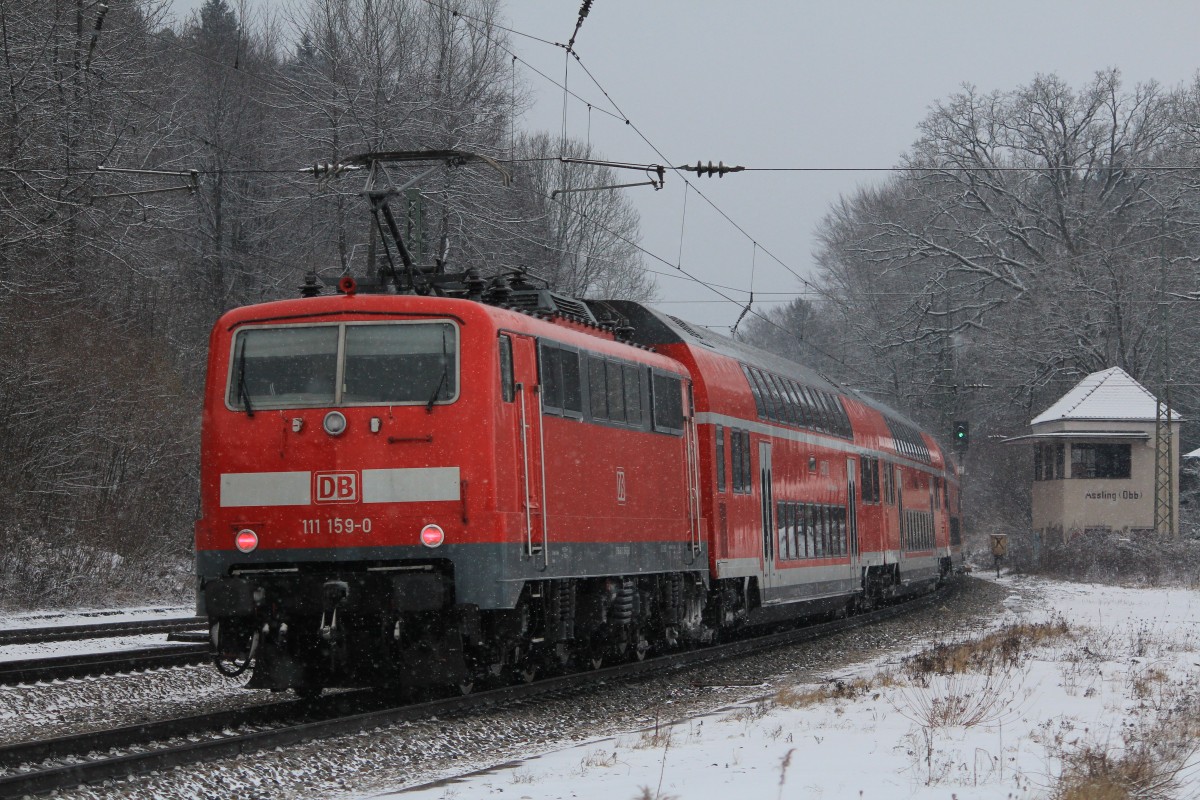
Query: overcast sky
[801, 83]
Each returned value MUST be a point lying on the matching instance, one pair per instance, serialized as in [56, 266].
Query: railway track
[34, 670]
[89, 758]
[98, 630]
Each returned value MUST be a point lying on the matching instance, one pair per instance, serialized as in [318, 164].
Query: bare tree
[584, 242]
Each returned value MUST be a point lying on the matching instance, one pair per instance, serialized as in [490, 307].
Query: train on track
[440, 488]
[435, 479]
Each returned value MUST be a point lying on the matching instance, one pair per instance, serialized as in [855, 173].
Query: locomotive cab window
[400, 364]
[298, 366]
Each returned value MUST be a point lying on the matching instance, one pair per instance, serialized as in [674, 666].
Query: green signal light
[962, 433]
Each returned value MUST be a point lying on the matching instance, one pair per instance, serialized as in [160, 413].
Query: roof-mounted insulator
[474, 284]
[311, 286]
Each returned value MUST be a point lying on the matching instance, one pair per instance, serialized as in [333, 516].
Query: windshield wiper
[243, 393]
[442, 380]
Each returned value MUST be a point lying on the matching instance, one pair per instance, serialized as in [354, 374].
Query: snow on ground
[90, 616]
[1128, 660]
[53, 619]
[107, 644]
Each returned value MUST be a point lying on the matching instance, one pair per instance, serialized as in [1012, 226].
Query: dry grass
[838, 689]
[1143, 772]
[1002, 649]
[1148, 763]
[1113, 557]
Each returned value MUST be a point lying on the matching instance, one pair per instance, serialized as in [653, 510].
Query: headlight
[335, 423]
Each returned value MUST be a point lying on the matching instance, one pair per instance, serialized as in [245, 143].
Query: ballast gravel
[80, 705]
[418, 753]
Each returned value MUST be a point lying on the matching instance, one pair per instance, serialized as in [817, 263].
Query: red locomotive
[408, 489]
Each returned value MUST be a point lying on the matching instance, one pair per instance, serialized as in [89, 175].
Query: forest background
[1030, 237]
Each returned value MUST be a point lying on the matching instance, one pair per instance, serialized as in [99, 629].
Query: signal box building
[1094, 459]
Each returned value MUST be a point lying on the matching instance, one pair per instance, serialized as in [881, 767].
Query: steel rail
[33, 670]
[40, 781]
[99, 630]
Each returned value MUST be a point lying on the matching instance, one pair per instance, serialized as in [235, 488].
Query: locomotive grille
[546, 300]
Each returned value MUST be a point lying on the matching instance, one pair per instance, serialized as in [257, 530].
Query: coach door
[530, 467]
[767, 495]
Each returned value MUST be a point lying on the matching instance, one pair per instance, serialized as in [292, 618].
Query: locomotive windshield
[379, 364]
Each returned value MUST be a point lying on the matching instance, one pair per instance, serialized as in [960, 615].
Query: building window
[1100, 461]
[1048, 462]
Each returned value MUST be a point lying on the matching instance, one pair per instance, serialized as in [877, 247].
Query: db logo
[337, 487]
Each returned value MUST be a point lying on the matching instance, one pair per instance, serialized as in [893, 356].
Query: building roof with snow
[1110, 394]
[1107, 395]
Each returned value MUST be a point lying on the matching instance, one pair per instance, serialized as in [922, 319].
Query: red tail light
[246, 540]
[432, 535]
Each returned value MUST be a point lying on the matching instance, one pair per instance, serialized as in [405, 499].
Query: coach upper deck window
[298, 366]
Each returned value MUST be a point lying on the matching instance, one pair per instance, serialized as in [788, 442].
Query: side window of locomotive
[667, 405]
[597, 388]
[561, 391]
[400, 363]
[616, 391]
[720, 458]
[549, 374]
[507, 392]
[633, 395]
[572, 384]
[288, 366]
